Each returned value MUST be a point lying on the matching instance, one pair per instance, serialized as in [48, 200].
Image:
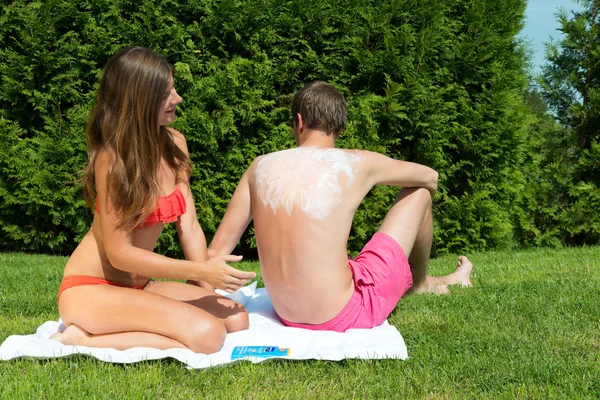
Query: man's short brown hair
[321, 106]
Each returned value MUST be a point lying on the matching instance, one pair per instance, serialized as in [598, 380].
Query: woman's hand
[216, 273]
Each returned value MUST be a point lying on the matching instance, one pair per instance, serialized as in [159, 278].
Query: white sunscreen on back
[305, 177]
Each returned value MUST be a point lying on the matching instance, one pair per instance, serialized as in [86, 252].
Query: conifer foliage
[571, 85]
[432, 81]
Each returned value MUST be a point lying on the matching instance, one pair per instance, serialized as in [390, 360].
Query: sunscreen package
[259, 351]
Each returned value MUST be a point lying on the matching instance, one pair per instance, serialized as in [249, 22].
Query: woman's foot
[72, 336]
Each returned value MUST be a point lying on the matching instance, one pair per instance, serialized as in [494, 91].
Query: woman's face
[166, 115]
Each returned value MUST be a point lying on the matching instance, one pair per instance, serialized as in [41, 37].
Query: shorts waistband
[341, 322]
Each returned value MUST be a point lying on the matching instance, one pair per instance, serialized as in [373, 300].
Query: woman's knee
[206, 336]
[237, 322]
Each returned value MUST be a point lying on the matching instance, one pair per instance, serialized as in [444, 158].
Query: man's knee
[419, 194]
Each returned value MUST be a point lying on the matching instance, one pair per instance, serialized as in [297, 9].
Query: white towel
[383, 341]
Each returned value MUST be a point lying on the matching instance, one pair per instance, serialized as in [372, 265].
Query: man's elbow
[433, 182]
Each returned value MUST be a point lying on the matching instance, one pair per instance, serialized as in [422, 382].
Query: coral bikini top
[168, 209]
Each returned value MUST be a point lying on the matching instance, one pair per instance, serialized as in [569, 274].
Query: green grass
[529, 328]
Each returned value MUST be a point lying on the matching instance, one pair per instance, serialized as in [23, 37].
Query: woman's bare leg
[230, 312]
[121, 318]
[75, 335]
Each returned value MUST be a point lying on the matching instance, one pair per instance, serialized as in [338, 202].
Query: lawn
[529, 328]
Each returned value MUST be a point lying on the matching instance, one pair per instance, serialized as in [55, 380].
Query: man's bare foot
[439, 284]
[464, 267]
[440, 289]
[72, 336]
[429, 286]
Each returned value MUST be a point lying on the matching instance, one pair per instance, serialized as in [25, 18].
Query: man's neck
[316, 138]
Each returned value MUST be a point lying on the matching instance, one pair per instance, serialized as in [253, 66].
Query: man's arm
[384, 170]
[235, 221]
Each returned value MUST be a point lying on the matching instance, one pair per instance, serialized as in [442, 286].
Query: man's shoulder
[313, 150]
[270, 155]
[289, 157]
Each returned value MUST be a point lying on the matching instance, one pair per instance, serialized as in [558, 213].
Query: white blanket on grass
[383, 341]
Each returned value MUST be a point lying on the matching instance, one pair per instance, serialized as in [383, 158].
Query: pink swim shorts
[381, 277]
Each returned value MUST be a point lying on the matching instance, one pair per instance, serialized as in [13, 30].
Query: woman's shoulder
[177, 136]
[104, 157]
[178, 139]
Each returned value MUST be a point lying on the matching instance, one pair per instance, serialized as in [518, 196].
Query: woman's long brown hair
[124, 122]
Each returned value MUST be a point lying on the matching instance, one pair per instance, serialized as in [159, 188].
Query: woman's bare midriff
[89, 258]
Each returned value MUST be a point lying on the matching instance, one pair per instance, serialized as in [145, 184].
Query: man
[303, 201]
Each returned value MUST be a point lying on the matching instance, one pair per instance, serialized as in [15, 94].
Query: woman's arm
[191, 235]
[124, 256]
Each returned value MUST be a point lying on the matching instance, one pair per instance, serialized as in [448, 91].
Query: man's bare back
[303, 201]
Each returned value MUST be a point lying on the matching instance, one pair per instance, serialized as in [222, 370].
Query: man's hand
[216, 273]
[212, 253]
[200, 284]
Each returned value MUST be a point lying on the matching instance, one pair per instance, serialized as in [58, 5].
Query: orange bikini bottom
[79, 280]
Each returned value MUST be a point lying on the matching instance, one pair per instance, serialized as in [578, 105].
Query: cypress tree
[432, 81]
[571, 85]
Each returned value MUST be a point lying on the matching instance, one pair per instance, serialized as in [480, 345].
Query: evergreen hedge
[433, 81]
[571, 85]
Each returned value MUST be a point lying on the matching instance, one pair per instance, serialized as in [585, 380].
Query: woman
[137, 180]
